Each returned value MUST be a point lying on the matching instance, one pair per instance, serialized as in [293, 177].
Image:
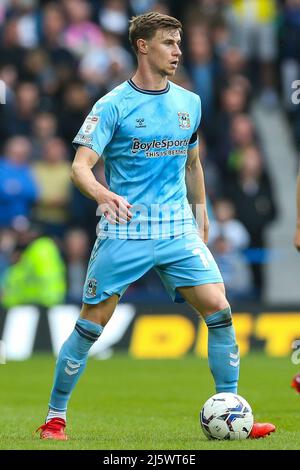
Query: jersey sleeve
[98, 128]
[194, 139]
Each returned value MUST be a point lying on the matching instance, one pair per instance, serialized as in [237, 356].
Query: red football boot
[54, 429]
[296, 383]
[261, 430]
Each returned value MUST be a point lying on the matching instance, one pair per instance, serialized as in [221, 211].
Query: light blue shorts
[179, 261]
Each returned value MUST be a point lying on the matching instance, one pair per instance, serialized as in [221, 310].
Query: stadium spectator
[19, 117]
[76, 255]
[38, 275]
[232, 64]
[11, 52]
[52, 175]
[233, 101]
[38, 67]
[44, 127]
[106, 65]
[251, 191]
[81, 34]
[18, 190]
[52, 39]
[241, 136]
[113, 17]
[27, 15]
[73, 109]
[253, 31]
[53, 25]
[227, 239]
[202, 71]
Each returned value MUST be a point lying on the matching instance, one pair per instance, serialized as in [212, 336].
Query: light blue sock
[71, 362]
[223, 352]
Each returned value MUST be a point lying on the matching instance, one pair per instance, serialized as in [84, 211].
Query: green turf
[123, 403]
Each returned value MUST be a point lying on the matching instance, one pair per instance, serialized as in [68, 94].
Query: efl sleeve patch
[99, 126]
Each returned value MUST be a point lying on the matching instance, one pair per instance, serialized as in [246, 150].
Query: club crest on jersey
[184, 120]
[91, 288]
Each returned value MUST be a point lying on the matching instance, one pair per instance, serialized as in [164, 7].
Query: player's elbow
[74, 172]
[188, 168]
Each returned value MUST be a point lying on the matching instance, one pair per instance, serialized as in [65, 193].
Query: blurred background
[241, 56]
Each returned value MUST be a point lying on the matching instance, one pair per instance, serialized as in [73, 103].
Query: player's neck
[149, 81]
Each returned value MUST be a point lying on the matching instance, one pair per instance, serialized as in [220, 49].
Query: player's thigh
[113, 266]
[100, 313]
[187, 262]
[205, 298]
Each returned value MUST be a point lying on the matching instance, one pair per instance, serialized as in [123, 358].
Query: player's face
[164, 51]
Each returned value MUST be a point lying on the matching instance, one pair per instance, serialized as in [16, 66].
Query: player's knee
[95, 315]
[99, 313]
[216, 305]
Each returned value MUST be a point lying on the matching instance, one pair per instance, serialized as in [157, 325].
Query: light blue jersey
[144, 137]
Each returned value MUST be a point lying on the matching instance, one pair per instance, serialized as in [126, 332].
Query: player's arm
[114, 207]
[194, 180]
[297, 234]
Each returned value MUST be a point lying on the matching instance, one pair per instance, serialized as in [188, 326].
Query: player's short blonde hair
[145, 26]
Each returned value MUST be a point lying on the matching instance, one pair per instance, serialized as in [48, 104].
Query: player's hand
[297, 239]
[114, 208]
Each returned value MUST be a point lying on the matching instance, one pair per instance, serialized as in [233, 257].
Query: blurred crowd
[58, 57]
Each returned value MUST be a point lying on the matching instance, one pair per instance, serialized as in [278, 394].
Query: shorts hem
[104, 296]
[177, 298]
[214, 280]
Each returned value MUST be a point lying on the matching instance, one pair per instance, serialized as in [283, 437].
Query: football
[226, 416]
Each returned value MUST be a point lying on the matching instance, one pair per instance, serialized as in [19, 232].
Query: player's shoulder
[184, 92]
[113, 99]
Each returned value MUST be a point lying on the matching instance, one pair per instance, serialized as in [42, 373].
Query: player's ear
[142, 46]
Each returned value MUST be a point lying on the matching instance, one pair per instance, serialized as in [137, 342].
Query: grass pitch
[124, 403]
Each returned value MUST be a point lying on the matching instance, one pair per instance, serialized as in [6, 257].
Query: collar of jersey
[149, 92]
